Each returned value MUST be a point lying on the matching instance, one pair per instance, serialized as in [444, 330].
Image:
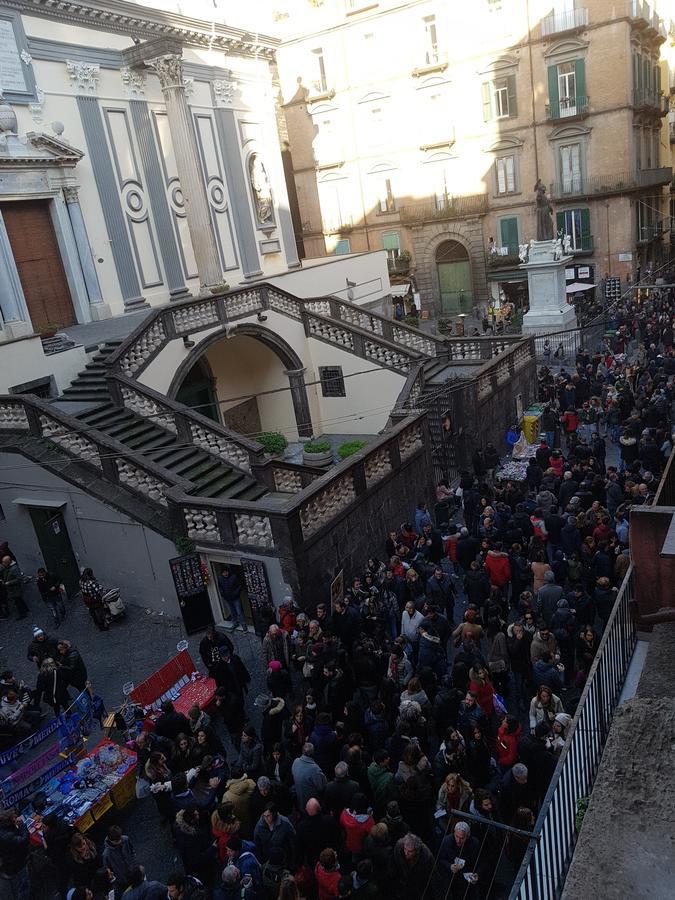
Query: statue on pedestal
[544, 213]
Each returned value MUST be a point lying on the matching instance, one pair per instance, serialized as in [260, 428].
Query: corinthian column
[169, 69]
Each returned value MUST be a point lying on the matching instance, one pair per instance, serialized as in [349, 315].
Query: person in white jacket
[410, 623]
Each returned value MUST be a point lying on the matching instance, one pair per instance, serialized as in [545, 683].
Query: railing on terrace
[565, 20]
[549, 853]
[588, 337]
[504, 256]
[619, 183]
[665, 494]
[648, 98]
[567, 108]
[448, 208]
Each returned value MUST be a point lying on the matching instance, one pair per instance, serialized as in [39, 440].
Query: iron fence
[550, 850]
[566, 344]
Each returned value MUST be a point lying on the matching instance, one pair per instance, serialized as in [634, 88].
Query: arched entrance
[197, 391]
[454, 278]
[257, 381]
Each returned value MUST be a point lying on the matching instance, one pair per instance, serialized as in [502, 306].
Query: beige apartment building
[422, 127]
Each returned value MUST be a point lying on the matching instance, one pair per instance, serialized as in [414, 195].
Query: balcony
[398, 266]
[649, 233]
[435, 60]
[449, 208]
[319, 90]
[651, 101]
[579, 187]
[503, 257]
[567, 108]
[564, 21]
[644, 17]
[583, 244]
[339, 226]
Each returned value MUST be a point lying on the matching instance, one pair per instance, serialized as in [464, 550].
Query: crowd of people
[408, 735]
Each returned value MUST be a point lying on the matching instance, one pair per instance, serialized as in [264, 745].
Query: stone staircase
[210, 477]
[89, 385]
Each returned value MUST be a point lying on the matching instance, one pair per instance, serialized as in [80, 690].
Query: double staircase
[89, 385]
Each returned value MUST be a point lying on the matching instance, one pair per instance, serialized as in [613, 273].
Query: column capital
[168, 68]
[71, 193]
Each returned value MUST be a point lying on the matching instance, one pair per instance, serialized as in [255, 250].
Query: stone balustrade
[139, 479]
[146, 406]
[76, 444]
[13, 416]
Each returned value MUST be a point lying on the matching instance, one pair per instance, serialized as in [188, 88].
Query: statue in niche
[544, 213]
[262, 191]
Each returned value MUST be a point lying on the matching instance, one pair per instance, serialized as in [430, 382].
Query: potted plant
[219, 288]
[349, 448]
[317, 453]
[273, 443]
[49, 330]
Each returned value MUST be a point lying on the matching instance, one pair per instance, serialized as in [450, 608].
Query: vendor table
[178, 681]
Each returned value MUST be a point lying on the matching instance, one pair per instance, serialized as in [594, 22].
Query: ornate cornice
[84, 76]
[139, 21]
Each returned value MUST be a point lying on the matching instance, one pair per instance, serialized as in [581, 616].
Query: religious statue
[523, 252]
[544, 213]
[557, 248]
[567, 244]
[262, 191]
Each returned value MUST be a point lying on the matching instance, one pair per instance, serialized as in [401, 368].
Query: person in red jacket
[482, 687]
[506, 745]
[569, 421]
[498, 567]
[327, 874]
[356, 823]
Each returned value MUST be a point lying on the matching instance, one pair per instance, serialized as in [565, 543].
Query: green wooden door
[454, 280]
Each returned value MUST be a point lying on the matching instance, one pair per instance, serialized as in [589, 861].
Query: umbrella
[578, 286]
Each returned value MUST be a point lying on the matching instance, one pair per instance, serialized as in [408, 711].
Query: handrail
[549, 852]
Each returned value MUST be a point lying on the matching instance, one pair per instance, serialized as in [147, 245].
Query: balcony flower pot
[317, 453]
[273, 443]
[49, 330]
[349, 448]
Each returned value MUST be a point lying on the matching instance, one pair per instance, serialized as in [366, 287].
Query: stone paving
[130, 651]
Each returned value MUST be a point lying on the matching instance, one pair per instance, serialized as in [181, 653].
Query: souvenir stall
[521, 453]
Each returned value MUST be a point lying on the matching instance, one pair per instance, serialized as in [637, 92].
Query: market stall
[177, 680]
[515, 469]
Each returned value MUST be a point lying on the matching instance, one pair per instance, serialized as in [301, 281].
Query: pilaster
[12, 301]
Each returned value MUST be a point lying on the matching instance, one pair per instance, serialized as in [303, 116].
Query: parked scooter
[114, 604]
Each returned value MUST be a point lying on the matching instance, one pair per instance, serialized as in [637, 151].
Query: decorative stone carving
[143, 349]
[73, 443]
[201, 524]
[376, 466]
[326, 504]
[189, 87]
[332, 333]
[26, 57]
[71, 193]
[149, 408]
[320, 307]
[360, 319]
[245, 302]
[223, 91]
[414, 341]
[387, 357]
[260, 185]
[254, 530]
[463, 350]
[196, 316]
[285, 305]
[287, 482]
[13, 416]
[220, 446]
[134, 81]
[84, 76]
[409, 441]
[169, 70]
[140, 480]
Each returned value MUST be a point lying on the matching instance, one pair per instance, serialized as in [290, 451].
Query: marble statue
[262, 191]
[523, 252]
[567, 245]
[544, 213]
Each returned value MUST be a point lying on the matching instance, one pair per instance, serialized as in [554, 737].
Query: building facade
[139, 162]
[422, 127]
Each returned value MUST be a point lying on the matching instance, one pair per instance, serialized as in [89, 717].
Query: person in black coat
[210, 645]
[540, 761]
[52, 686]
[315, 831]
[171, 723]
[72, 664]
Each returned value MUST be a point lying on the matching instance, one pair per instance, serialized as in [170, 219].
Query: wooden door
[38, 261]
[455, 283]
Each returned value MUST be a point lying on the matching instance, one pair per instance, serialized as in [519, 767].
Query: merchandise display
[177, 681]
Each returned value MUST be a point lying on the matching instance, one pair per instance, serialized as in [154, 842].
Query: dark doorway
[38, 262]
[190, 578]
[57, 551]
[217, 568]
[197, 392]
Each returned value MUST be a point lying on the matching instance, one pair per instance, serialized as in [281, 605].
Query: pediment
[505, 143]
[500, 65]
[36, 149]
[373, 96]
[382, 166]
[566, 132]
[571, 46]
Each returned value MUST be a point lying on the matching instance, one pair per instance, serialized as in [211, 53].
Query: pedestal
[549, 309]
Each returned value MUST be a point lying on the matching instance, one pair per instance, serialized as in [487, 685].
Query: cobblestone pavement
[130, 651]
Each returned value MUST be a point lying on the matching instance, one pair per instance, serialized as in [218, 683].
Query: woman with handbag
[498, 655]
[92, 596]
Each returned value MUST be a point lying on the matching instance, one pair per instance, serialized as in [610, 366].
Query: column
[12, 301]
[97, 307]
[303, 416]
[169, 70]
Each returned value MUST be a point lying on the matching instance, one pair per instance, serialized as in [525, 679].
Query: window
[391, 242]
[570, 168]
[377, 128]
[334, 200]
[319, 83]
[577, 224]
[431, 56]
[506, 174]
[342, 247]
[508, 234]
[656, 140]
[386, 201]
[499, 98]
[567, 89]
[332, 381]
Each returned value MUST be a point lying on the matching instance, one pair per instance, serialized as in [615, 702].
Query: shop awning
[577, 286]
[399, 290]
[507, 275]
[38, 503]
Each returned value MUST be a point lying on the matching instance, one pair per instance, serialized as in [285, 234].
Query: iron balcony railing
[446, 208]
[567, 108]
[564, 21]
[398, 266]
[506, 255]
[550, 850]
[646, 98]
[584, 186]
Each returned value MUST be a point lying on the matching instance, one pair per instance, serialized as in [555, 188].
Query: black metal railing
[567, 108]
[564, 21]
[619, 183]
[550, 850]
[446, 208]
[506, 255]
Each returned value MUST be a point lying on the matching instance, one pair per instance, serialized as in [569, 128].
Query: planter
[318, 459]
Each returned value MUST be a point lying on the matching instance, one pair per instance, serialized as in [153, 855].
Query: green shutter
[513, 97]
[342, 247]
[560, 223]
[487, 100]
[657, 79]
[391, 241]
[553, 96]
[636, 72]
[580, 78]
[508, 231]
[585, 228]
